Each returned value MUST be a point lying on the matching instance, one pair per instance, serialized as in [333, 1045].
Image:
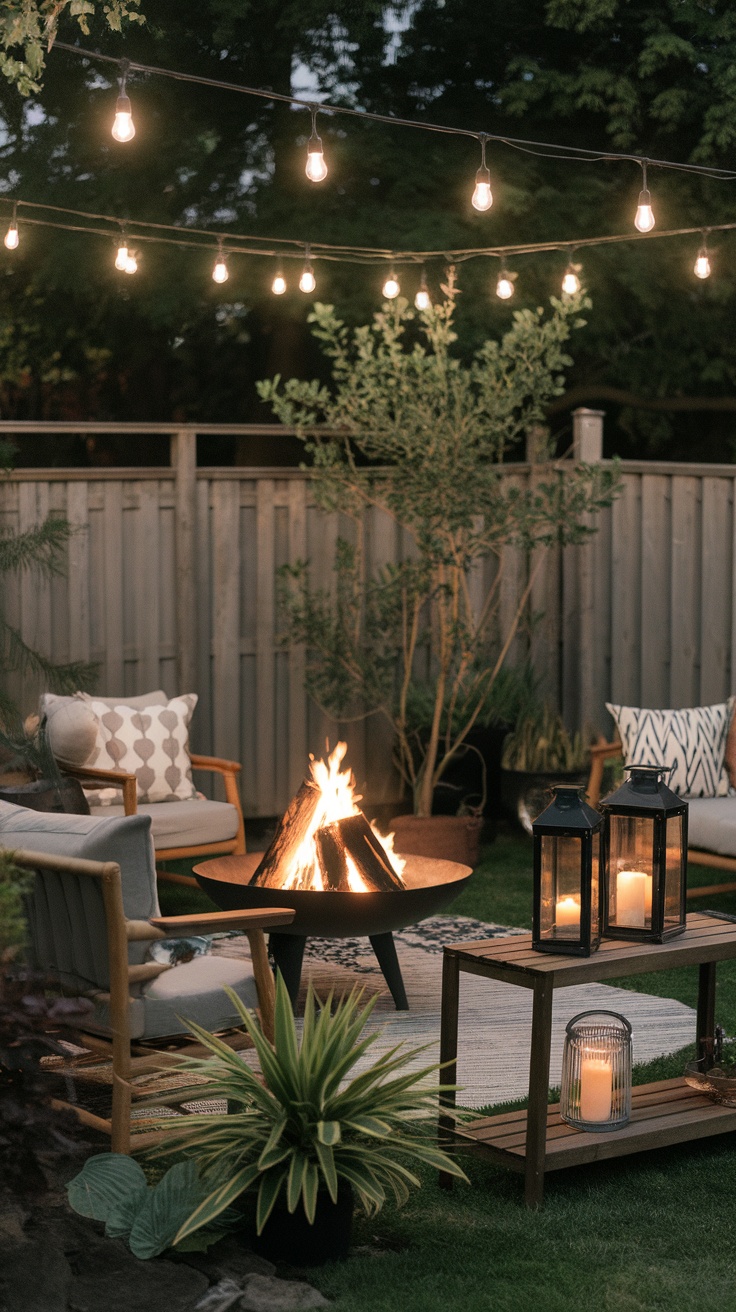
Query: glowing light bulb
[121, 259]
[422, 300]
[391, 287]
[316, 169]
[504, 286]
[644, 220]
[701, 268]
[571, 282]
[11, 236]
[278, 286]
[131, 264]
[123, 129]
[307, 282]
[220, 273]
[482, 196]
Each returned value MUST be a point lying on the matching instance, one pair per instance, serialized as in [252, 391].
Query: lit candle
[596, 1087]
[633, 898]
[567, 913]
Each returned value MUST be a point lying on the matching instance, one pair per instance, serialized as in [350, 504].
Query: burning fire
[337, 800]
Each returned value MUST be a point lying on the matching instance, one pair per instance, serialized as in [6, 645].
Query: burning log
[293, 832]
[352, 841]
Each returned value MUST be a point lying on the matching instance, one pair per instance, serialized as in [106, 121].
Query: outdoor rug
[495, 1018]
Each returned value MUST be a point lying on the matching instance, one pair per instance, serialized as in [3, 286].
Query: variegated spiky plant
[307, 1126]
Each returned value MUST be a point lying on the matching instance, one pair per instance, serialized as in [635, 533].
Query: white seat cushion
[712, 824]
[193, 991]
[184, 824]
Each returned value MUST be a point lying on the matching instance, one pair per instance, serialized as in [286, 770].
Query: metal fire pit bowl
[430, 885]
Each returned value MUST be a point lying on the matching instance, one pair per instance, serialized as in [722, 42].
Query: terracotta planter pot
[44, 795]
[447, 837]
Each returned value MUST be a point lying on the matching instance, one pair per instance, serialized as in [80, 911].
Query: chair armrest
[229, 770]
[259, 918]
[107, 778]
[600, 752]
[216, 763]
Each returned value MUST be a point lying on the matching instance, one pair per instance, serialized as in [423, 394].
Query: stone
[106, 1277]
[220, 1297]
[267, 1294]
[229, 1259]
[33, 1278]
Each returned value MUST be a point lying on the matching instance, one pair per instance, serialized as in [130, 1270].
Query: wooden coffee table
[535, 1141]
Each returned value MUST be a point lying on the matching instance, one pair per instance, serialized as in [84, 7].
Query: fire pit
[340, 876]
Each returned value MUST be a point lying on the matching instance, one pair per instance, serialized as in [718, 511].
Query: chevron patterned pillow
[692, 741]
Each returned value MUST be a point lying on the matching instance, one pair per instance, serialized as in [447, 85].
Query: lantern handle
[596, 1011]
[641, 765]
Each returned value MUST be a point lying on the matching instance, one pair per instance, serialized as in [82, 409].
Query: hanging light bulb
[11, 237]
[307, 282]
[131, 263]
[391, 286]
[505, 283]
[701, 268]
[316, 169]
[644, 219]
[121, 258]
[571, 282]
[123, 128]
[220, 273]
[482, 196]
[422, 300]
[278, 286]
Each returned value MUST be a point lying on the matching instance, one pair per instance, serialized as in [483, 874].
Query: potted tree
[539, 753]
[408, 427]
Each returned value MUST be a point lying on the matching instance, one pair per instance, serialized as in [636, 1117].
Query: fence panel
[643, 613]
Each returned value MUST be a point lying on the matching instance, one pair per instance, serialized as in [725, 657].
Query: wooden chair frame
[602, 752]
[130, 1059]
[229, 770]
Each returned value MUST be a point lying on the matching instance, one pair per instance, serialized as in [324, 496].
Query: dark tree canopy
[654, 77]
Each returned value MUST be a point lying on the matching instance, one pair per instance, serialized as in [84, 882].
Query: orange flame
[338, 799]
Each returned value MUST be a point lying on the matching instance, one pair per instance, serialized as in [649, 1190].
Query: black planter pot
[463, 778]
[288, 1236]
[44, 795]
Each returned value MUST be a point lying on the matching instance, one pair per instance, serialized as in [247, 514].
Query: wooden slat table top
[662, 1114]
[705, 939]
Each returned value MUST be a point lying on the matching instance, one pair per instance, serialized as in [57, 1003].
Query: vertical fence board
[298, 749]
[685, 592]
[146, 592]
[112, 680]
[715, 671]
[655, 569]
[626, 600]
[79, 581]
[265, 656]
[35, 590]
[202, 724]
[226, 618]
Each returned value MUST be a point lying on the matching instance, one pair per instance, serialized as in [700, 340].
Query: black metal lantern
[567, 875]
[645, 858]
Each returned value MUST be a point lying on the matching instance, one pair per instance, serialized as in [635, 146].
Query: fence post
[587, 435]
[184, 464]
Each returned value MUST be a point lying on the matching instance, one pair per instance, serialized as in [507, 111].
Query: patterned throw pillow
[692, 741]
[151, 742]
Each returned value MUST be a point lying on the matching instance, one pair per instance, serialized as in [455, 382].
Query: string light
[644, 220]
[422, 300]
[220, 273]
[123, 128]
[131, 263]
[701, 268]
[307, 282]
[12, 237]
[505, 284]
[391, 286]
[121, 259]
[483, 196]
[570, 281]
[278, 286]
[316, 169]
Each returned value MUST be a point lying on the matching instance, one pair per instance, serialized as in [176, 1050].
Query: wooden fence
[170, 583]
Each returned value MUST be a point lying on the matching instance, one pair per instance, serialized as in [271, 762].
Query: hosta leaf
[217, 1201]
[165, 1209]
[104, 1183]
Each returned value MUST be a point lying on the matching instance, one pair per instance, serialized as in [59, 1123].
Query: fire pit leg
[287, 951]
[385, 949]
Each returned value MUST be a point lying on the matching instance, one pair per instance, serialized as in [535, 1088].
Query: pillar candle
[633, 898]
[596, 1087]
[567, 914]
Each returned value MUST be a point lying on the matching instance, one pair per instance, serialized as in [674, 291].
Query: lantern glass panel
[673, 870]
[631, 865]
[561, 896]
[595, 886]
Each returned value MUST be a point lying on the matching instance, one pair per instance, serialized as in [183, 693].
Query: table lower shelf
[665, 1113]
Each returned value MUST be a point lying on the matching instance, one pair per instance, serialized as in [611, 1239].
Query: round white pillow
[72, 729]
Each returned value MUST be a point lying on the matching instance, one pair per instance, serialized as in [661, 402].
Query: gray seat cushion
[184, 824]
[194, 991]
[712, 824]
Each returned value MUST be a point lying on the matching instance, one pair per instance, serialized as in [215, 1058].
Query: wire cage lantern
[596, 1071]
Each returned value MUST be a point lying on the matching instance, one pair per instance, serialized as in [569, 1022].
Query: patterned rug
[495, 1018]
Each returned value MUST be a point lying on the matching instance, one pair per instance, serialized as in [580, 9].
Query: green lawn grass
[649, 1233]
